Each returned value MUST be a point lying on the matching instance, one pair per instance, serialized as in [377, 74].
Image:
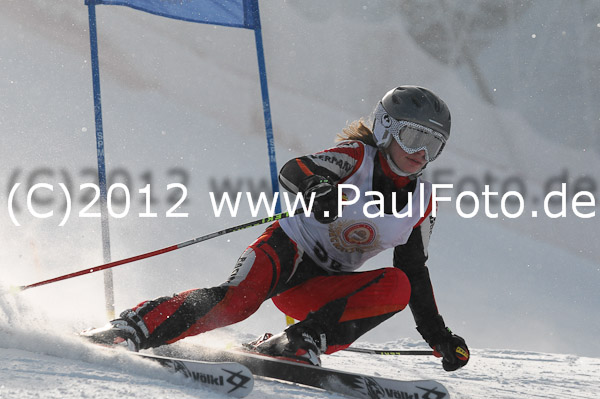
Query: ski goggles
[413, 137]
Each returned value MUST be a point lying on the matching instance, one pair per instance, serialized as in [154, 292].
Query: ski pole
[158, 251]
[392, 352]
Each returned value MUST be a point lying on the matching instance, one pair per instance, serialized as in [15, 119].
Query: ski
[228, 377]
[350, 384]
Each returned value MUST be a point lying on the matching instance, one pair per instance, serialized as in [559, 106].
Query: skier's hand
[453, 350]
[325, 205]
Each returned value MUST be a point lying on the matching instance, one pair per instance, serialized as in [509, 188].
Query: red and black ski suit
[346, 304]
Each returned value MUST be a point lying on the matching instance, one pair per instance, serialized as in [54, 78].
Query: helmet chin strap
[397, 170]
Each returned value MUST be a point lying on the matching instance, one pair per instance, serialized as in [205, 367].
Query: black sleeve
[411, 258]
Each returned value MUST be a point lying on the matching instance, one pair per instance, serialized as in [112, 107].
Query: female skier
[307, 264]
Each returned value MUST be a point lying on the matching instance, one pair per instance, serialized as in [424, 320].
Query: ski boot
[298, 342]
[122, 332]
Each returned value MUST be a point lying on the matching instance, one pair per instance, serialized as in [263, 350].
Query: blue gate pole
[262, 71]
[108, 276]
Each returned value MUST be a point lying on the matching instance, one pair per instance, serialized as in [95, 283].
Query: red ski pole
[157, 252]
[391, 352]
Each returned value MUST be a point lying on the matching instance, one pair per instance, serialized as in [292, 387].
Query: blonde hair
[358, 130]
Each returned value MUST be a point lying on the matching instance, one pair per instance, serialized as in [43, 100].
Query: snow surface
[40, 361]
[180, 95]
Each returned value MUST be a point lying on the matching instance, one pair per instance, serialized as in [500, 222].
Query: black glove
[450, 347]
[325, 205]
[453, 351]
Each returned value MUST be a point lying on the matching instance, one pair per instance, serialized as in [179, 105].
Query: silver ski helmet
[415, 117]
